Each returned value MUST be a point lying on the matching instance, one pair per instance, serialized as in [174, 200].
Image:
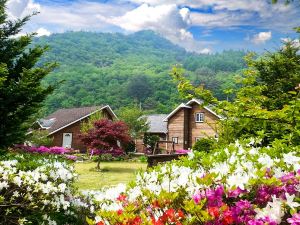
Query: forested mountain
[120, 70]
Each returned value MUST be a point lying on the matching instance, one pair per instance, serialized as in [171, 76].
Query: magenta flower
[197, 197]
[295, 219]
[235, 193]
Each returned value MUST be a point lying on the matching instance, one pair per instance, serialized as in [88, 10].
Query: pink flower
[197, 197]
[295, 220]
[71, 157]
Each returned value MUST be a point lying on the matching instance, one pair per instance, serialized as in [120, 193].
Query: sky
[203, 26]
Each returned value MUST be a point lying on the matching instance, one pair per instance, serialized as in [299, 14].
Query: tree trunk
[98, 163]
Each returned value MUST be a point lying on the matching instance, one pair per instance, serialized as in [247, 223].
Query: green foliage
[103, 68]
[21, 92]
[143, 159]
[89, 124]
[139, 88]
[135, 120]
[205, 144]
[266, 104]
[150, 141]
[130, 147]
[40, 138]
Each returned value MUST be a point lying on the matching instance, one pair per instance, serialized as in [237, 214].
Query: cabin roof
[156, 123]
[65, 117]
[187, 105]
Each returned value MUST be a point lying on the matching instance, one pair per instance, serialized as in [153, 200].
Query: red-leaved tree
[106, 136]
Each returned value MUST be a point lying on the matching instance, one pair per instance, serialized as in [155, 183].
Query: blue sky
[203, 26]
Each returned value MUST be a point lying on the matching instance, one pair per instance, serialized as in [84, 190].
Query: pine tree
[21, 92]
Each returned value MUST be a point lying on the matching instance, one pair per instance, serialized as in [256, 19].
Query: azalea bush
[241, 184]
[43, 149]
[38, 189]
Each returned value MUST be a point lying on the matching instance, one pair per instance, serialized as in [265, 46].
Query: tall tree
[21, 92]
[139, 88]
[133, 117]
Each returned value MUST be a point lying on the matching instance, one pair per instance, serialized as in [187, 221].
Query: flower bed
[42, 149]
[238, 185]
[37, 189]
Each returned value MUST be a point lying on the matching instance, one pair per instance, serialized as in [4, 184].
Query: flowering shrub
[238, 185]
[182, 151]
[37, 189]
[42, 149]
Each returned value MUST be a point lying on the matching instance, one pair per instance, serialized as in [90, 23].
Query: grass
[111, 173]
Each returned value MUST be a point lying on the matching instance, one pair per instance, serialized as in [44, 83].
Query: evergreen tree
[21, 92]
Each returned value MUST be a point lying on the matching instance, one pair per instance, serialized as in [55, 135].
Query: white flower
[266, 161]
[3, 185]
[18, 181]
[290, 158]
[16, 194]
[191, 155]
[62, 187]
[273, 210]
[290, 201]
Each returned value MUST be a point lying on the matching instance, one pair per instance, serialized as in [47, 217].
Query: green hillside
[117, 69]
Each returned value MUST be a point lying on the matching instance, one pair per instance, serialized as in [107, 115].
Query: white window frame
[175, 140]
[199, 117]
[63, 140]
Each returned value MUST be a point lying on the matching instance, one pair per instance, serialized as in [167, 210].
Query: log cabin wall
[176, 128]
[201, 129]
[186, 128]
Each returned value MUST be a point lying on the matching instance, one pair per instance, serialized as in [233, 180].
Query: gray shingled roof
[157, 123]
[63, 117]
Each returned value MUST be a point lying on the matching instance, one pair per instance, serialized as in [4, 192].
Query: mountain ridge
[107, 68]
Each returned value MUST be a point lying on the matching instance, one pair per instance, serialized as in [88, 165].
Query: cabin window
[67, 140]
[199, 117]
[175, 140]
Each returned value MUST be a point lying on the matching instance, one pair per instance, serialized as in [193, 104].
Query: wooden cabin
[190, 122]
[64, 124]
[185, 125]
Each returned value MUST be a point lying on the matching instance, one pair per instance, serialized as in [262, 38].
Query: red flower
[100, 223]
[121, 198]
[228, 218]
[120, 211]
[180, 214]
[213, 211]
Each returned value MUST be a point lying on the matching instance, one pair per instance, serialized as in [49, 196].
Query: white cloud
[77, 15]
[206, 51]
[42, 32]
[21, 8]
[158, 18]
[262, 37]
[168, 20]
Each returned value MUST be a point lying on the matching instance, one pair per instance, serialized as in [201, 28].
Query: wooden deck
[153, 160]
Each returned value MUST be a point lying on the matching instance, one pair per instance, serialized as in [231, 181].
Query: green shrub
[130, 147]
[143, 159]
[205, 145]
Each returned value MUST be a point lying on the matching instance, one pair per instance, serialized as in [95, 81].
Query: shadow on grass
[114, 170]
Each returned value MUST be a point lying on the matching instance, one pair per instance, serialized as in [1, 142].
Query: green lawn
[113, 173]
